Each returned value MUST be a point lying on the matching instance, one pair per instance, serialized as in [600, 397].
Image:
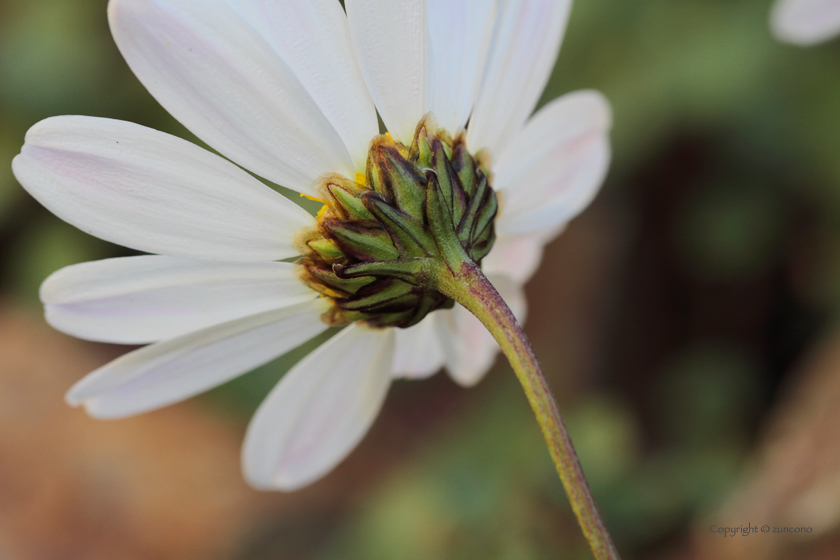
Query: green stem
[469, 287]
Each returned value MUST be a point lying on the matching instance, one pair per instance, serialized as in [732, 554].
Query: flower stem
[469, 287]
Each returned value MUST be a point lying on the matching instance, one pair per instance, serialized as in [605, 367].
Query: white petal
[554, 167]
[136, 300]
[517, 256]
[805, 22]
[459, 36]
[208, 63]
[469, 347]
[313, 38]
[153, 192]
[526, 39]
[173, 370]
[391, 42]
[418, 352]
[320, 410]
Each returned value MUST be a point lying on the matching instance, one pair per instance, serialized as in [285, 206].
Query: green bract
[377, 246]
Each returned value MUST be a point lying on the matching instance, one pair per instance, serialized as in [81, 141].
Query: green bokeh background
[725, 186]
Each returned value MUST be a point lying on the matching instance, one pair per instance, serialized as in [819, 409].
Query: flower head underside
[376, 242]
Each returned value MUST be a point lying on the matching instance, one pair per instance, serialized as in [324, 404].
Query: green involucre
[378, 243]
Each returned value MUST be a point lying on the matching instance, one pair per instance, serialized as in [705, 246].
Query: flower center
[377, 242]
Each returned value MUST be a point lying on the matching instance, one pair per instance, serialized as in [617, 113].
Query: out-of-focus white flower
[289, 90]
[805, 22]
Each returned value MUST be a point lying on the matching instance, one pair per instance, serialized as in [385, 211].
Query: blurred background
[687, 321]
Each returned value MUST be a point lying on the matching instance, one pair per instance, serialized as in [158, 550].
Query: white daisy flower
[805, 22]
[289, 91]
